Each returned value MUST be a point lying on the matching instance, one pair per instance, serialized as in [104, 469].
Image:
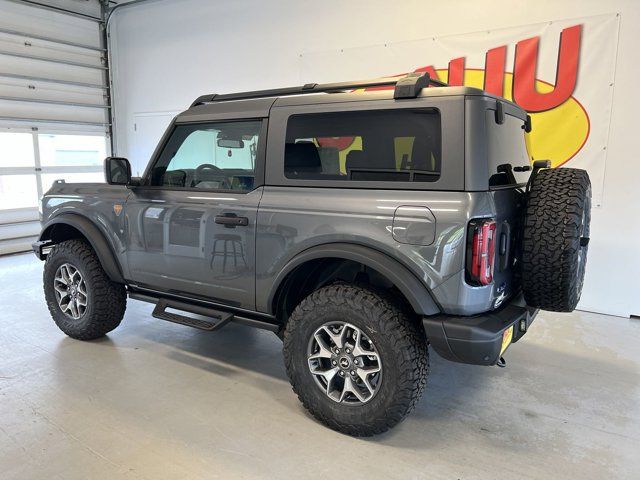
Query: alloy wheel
[344, 363]
[71, 291]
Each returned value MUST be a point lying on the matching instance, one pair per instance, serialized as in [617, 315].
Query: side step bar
[219, 314]
[222, 318]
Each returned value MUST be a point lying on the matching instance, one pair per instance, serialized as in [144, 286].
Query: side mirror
[117, 171]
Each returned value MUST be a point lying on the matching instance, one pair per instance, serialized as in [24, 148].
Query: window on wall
[18, 191]
[83, 177]
[385, 145]
[31, 161]
[16, 149]
[72, 158]
[72, 150]
[18, 182]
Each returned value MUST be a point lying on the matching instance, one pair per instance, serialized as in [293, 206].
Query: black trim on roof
[408, 86]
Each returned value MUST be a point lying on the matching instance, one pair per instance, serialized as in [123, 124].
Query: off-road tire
[398, 337]
[555, 238]
[106, 300]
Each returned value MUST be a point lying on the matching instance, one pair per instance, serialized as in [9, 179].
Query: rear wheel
[357, 361]
[83, 301]
[556, 239]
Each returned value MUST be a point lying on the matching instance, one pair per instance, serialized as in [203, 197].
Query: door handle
[231, 220]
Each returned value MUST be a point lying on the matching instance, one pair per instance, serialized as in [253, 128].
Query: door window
[216, 156]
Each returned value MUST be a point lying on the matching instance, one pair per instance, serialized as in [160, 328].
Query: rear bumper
[478, 339]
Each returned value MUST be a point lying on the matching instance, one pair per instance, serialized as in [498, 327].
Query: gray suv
[361, 222]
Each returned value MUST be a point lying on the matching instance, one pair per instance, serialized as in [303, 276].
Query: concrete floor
[156, 401]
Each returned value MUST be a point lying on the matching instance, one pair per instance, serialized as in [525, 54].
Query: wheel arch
[414, 291]
[68, 226]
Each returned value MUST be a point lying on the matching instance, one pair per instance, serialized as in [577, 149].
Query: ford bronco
[361, 222]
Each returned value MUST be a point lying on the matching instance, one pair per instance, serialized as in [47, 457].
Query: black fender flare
[94, 236]
[406, 281]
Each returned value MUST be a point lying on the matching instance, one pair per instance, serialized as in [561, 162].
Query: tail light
[481, 251]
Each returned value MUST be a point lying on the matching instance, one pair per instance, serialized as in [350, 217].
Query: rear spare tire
[556, 238]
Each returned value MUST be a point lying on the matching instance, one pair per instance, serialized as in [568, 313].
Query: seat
[330, 158]
[174, 178]
[301, 159]
[422, 157]
[356, 159]
[209, 178]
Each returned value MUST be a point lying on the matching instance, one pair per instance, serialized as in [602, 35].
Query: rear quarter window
[506, 144]
[379, 146]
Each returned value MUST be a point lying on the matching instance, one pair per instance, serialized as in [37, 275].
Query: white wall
[168, 52]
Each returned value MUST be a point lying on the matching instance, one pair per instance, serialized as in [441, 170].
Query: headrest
[302, 155]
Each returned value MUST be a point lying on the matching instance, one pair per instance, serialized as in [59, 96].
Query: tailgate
[509, 205]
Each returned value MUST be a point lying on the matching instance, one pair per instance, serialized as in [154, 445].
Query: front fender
[411, 287]
[93, 235]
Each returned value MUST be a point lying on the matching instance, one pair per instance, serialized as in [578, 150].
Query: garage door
[54, 107]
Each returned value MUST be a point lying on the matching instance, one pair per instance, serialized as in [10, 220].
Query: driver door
[192, 224]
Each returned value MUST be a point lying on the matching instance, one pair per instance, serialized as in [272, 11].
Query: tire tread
[108, 299]
[407, 341]
[551, 238]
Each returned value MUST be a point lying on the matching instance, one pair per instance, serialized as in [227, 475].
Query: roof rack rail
[408, 86]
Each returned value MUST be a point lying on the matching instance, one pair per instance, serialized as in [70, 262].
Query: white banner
[561, 72]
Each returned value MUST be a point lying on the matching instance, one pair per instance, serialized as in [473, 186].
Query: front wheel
[83, 301]
[356, 360]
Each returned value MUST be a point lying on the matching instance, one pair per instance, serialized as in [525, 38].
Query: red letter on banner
[525, 93]
[456, 71]
[494, 71]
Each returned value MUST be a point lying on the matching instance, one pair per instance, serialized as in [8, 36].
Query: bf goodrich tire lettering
[556, 239]
[105, 300]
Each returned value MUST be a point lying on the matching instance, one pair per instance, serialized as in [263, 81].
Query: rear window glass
[383, 145]
[506, 145]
